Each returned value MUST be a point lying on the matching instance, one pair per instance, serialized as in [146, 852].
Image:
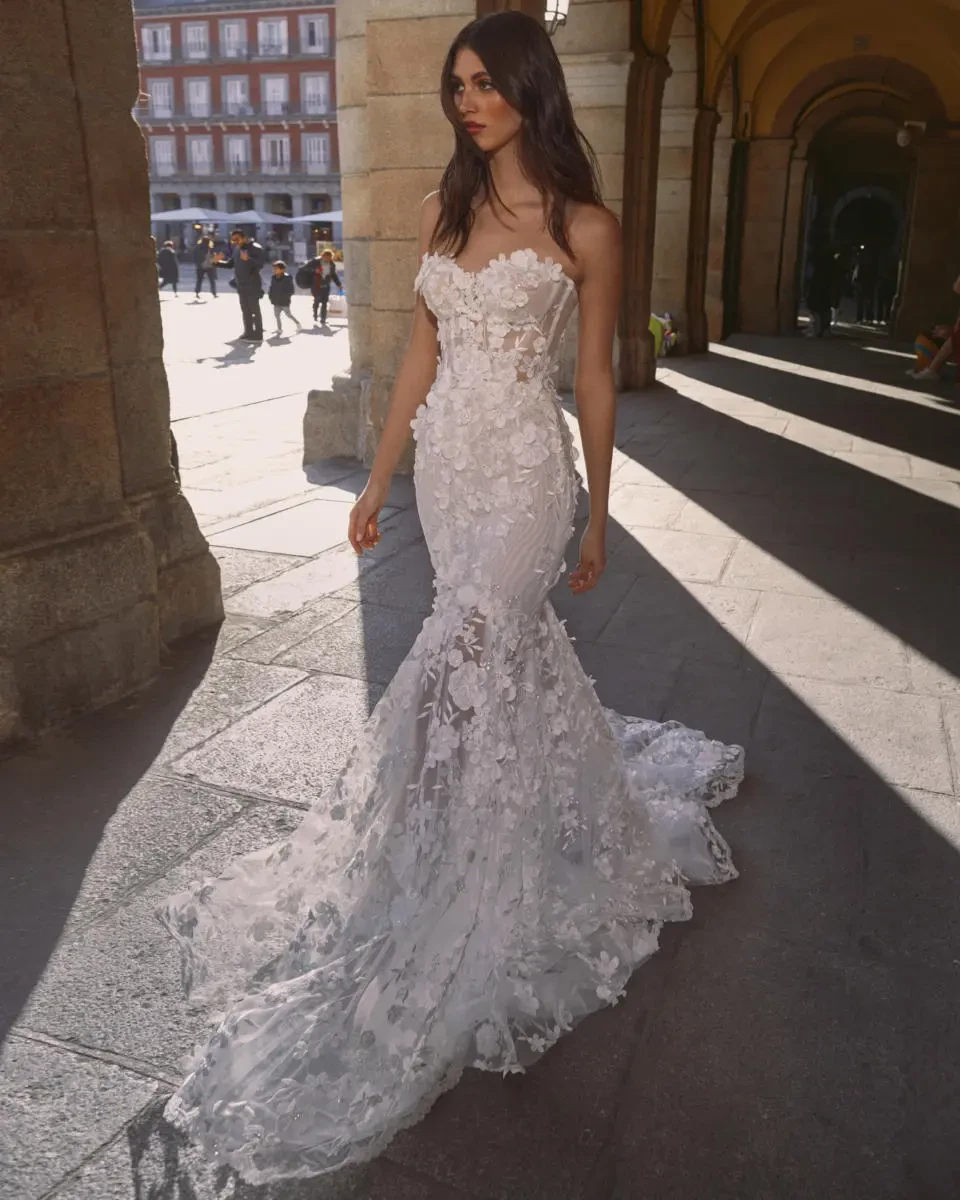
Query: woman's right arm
[414, 379]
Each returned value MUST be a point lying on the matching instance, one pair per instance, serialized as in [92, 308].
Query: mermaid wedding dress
[499, 853]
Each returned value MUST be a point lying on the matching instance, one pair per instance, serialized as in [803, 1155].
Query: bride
[499, 853]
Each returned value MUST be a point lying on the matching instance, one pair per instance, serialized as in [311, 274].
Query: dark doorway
[854, 226]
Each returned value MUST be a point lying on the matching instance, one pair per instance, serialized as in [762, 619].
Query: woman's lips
[472, 127]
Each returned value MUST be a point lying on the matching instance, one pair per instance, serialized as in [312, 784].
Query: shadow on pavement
[911, 428]
[59, 795]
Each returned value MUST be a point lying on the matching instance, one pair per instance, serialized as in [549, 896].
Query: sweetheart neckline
[503, 258]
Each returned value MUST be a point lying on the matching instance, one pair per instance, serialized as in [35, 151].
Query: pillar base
[69, 644]
[638, 361]
[333, 422]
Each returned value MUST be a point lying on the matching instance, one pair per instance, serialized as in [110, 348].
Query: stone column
[594, 49]
[101, 561]
[648, 75]
[933, 245]
[790, 247]
[394, 145]
[763, 231]
[719, 208]
[698, 239]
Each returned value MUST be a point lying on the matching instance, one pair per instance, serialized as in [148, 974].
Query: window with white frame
[316, 153]
[233, 39]
[315, 34]
[275, 154]
[236, 152]
[275, 95]
[200, 151]
[198, 97]
[195, 36]
[236, 96]
[272, 36]
[156, 43]
[160, 92]
[163, 154]
[315, 90]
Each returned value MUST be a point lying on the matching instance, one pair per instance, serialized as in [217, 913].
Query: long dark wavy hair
[554, 155]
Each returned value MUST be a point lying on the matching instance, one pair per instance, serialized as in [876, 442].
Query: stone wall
[395, 143]
[594, 49]
[677, 120]
[101, 561]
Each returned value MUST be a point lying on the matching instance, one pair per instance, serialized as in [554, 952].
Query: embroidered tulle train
[499, 853]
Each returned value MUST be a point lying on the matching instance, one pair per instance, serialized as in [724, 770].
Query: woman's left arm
[595, 237]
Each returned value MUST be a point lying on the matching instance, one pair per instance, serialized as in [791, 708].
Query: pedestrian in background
[281, 294]
[203, 261]
[247, 260]
[324, 274]
[168, 267]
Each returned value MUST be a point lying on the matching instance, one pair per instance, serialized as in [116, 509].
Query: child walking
[281, 293]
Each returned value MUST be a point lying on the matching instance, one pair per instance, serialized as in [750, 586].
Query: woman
[500, 852]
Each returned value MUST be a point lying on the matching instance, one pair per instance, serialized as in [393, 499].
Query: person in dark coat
[281, 294]
[247, 261]
[324, 271]
[865, 279]
[168, 266]
[203, 261]
[820, 289]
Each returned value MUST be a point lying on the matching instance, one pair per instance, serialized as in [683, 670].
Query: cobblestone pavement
[783, 572]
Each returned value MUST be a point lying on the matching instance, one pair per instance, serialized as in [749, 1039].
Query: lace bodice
[505, 320]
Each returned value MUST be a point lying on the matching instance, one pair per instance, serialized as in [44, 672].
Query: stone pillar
[395, 143]
[101, 561]
[933, 246]
[677, 120]
[763, 231]
[648, 75]
[790, 247]
[407, 41]
[719, 208]
[594, 50]
[698, 240]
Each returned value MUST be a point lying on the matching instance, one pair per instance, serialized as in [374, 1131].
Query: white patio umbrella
[314, 218]
[188, 214]
[250, 216]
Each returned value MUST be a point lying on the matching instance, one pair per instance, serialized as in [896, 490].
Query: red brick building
[239, 107]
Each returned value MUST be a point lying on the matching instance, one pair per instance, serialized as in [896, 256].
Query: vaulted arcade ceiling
[792, 55]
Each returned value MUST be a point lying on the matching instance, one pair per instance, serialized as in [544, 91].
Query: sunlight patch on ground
[834, 377]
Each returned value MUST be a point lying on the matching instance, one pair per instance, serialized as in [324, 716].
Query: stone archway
[101, 561]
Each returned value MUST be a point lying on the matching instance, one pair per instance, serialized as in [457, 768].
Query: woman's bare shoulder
[593, 229]
[429, 216]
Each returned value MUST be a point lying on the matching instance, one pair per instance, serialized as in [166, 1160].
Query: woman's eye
[485, 85]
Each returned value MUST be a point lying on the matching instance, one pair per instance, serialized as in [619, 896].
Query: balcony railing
[226, 55]
[294, 172]
[272, 111]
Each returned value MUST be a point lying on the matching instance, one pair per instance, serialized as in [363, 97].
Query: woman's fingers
[584, 578]
[363, 530]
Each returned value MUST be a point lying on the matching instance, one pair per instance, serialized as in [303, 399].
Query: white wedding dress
[499, 852]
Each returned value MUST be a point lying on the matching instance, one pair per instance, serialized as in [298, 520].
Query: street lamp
[556, 15]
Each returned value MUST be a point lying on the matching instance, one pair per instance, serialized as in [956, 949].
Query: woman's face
[485, 115]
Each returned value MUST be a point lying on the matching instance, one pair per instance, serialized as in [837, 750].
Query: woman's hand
[363, 532]
[593, 559]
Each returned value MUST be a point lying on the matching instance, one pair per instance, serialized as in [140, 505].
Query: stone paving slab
[115, 985]
[56, 1109]
[291, 748]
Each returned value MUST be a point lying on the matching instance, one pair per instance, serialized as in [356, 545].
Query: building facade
[239, 109]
